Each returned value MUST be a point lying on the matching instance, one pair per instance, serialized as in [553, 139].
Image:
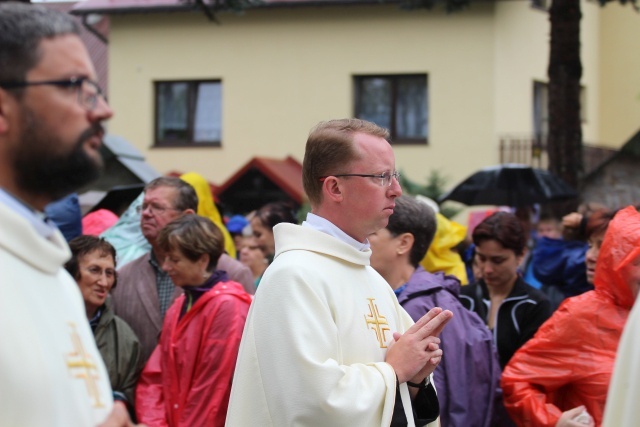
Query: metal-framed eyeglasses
[97, 272]
[88, 90]
[153, 208]
[385, 178]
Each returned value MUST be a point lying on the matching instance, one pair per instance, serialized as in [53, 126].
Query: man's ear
[188, 212]
[7, 106]
[332, 190]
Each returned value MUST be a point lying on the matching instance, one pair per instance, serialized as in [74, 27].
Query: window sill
[396, 142]
[190, 144]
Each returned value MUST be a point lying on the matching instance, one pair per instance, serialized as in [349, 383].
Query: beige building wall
[619, 113]
[283, 70]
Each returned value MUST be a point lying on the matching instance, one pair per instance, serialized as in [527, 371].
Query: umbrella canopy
[510, 185]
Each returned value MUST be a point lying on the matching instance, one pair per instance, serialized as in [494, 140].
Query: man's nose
[395, 189]
[102, 110]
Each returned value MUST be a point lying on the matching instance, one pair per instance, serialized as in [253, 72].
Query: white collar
[321, 224]
[35, 218]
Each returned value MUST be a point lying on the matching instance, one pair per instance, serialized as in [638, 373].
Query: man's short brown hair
[330, 150]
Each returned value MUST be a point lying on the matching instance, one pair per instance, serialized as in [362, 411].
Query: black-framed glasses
[88, 90]
[386, 178]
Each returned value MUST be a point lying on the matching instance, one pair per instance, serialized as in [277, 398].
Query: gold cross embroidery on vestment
[377, 322]
[82, 366]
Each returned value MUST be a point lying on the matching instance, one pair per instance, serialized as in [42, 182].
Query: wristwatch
[422, 386]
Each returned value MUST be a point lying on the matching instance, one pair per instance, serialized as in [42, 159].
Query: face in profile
[182, 270]
[368, 202]
[251, 254]
[58, 146]
[264, 236]
[595, 243]
[97, 275]
[157, 211]
[383, 252]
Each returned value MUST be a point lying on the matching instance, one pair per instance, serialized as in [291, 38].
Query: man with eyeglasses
[145, 291]
[326, 342]
[51, 114]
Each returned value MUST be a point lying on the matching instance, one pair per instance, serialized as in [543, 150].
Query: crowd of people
[361, 314]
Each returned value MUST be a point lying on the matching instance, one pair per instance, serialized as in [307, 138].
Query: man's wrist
[422, 385]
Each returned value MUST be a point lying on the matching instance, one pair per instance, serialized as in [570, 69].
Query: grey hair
[22, 28]
[415, 217]
[187, 198]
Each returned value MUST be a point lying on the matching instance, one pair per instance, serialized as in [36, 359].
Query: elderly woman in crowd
[467, 378]
[93, 266]
[561, 376]
[187, 380]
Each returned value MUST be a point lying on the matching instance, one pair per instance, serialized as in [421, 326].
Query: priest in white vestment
[326, 342]
[51, 114]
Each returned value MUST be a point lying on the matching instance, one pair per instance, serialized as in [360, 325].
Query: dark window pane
[411, 108]
[540, 109]
[173, 111]
[375, 101]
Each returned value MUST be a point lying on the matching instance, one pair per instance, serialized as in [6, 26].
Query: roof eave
[183, 7]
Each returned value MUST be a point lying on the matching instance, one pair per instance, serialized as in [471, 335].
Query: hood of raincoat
[570, 359]
[126, 235]
[621, 245]
[207, 208]
[441, 256]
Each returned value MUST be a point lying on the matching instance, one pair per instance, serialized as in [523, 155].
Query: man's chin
[149, 233]
[94, 155]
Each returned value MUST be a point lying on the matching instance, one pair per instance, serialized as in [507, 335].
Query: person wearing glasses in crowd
[93, 266]
[145, 291]
[326, 342]
[51, 115]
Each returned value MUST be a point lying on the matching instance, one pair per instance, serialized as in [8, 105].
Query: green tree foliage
[433, 189]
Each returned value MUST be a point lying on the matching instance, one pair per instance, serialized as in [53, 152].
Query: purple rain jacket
[469, 374]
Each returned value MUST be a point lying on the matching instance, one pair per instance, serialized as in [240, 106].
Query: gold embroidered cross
[80, 361]
[376, 322]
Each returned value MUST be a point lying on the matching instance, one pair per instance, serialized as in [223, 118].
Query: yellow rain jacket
[207, 208]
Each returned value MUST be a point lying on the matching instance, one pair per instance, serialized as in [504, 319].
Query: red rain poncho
[187, 380]
[570, 359]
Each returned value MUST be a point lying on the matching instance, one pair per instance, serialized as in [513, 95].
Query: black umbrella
[510, 185]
